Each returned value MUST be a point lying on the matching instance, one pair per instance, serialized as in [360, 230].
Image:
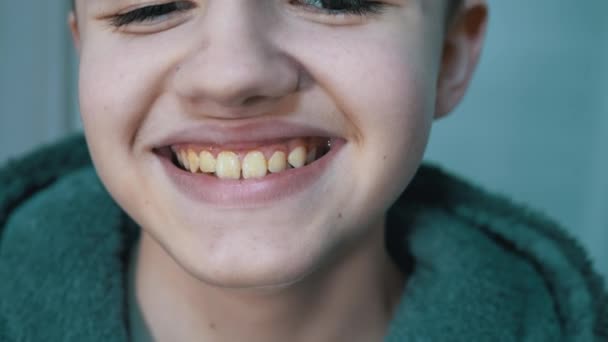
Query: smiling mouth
[248, 161]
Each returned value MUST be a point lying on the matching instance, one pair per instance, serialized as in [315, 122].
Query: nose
[235, 66]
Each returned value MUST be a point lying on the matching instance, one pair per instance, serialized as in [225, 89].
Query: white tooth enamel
[228, 166]
[207, 162]
[297, 157]
[192, 161]
[254, 165]
[312, 154]
[277, 162]
[184, 156]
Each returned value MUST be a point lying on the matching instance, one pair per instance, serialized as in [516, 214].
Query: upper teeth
[207, 162]
[253, 164]
[297, 157]
[228, 166]
[278, 162]
[193, 161]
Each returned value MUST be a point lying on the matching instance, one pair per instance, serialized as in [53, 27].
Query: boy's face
[232, 77]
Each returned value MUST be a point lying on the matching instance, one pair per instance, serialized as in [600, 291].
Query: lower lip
[249, 193]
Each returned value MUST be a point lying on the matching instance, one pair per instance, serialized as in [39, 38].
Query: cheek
[384, 87]
[120, 80]
[104, 98]
[382, 81]
[117, 89]
[392, 102]
[395, 121]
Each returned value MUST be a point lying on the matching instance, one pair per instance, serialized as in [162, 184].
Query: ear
[73, 24]
[461, 50]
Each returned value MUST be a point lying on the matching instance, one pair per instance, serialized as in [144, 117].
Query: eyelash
[348, 7]
[336, 7]
[149, 13]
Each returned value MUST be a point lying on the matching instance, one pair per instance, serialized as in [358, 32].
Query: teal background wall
[534, 125]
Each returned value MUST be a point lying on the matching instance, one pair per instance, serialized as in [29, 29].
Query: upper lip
[241, 133]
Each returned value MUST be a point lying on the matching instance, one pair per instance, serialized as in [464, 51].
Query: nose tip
[234, 83]
[242, 72]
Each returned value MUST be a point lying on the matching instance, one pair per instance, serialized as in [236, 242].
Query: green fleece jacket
[480, 268]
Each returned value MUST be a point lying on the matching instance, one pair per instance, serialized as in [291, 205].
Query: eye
[151, 14]
[341, 7]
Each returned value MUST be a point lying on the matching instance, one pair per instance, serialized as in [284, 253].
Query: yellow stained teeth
[192, 161]
[297, 157]
[228, 166]
[277, 162]
[207, 162]
[254, 165]
[244, 164]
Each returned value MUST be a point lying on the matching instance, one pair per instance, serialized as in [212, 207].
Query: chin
[245, 259]
[252, 270]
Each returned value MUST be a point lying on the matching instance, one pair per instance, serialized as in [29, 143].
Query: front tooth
[312, 155]
[228, 166]
[254, 165]
[207, 162]
[192, 161]
[277, 162]
[297, 157]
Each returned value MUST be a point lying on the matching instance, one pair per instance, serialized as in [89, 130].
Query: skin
[284, 271]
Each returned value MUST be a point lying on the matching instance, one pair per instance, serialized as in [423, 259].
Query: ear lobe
[461, 51]
[73, 24]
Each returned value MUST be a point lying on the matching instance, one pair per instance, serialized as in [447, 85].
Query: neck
[350, 299]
